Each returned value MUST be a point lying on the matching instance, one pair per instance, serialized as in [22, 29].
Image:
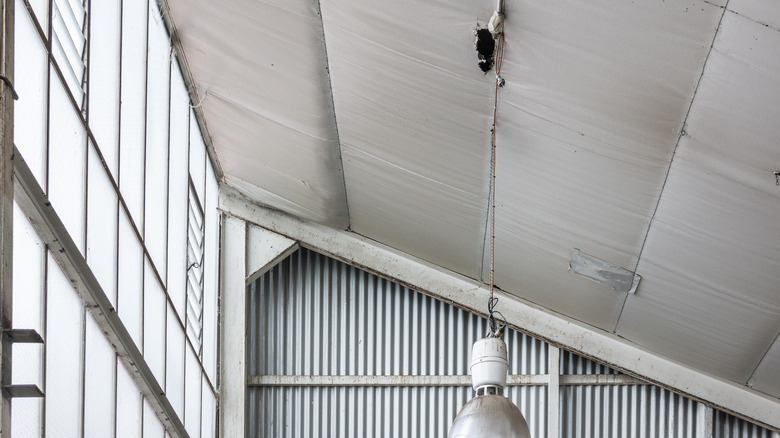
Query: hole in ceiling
[486, 45]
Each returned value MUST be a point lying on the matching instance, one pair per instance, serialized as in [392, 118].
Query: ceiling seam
[335, 118]
[682, 133]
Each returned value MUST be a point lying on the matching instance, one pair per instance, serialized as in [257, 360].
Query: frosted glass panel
[154, 324]
[67, 158]
[104, 79]
[129, 305]
[211, 263]
[192, 391]
[40, 8]
[132, 136]
[157, 139]
[30, 76]
[128, 405]
[208, 413]
[26, 417]
[178, 190]
[174, 382]
[63, 355]
[99, 383]
[197, 157]
[102, 207]
[152, 426]
[27, 274]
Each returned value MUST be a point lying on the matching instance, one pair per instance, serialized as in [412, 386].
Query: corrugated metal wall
[314, 316]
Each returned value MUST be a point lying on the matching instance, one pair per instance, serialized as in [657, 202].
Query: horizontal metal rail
[512, 380]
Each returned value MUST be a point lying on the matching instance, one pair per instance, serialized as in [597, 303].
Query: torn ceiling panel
[257, 99]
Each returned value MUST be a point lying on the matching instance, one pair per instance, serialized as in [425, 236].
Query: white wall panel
[30, 75]
[63, 336]
[104, 74]
[99, 385]
[102, 223]
[67, 161]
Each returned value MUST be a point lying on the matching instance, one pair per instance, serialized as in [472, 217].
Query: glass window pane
[209, 412]
[128, 405]
[174, 382]
[193, 396]
[63, 355]
[132, 136]
[152, 426]
[30, 76]
[102, 207]
[157, 139]
[154, 324]
[177, 192]
[211, 264]
[99, 384]
[197, 157]
[130, 302]
[104, 79]
[67, 157]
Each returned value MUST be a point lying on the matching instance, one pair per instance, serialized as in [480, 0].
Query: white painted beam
[232, 387]
[521, 315]
[264, 251]
[553, 390]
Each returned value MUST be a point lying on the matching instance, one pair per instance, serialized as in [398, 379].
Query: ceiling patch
[602, 272]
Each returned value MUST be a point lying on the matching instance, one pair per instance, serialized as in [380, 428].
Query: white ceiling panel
[713, 253]
[414, 128]
[580, 166]
[766, 378]
[256, 100]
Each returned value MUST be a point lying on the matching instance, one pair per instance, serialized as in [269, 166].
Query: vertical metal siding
[625, 411]
[312, 315]
[728, 426]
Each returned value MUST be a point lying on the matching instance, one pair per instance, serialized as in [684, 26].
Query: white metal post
[553, 392]
[232, 384]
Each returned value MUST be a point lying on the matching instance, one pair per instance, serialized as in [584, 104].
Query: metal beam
[522, 315]
[7, 95]
[35, 205]
[512, 380]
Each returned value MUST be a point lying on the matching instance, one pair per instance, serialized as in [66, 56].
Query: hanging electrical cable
[490, 414]
[495, 329]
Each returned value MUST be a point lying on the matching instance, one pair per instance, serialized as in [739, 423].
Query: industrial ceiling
[643, 133]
